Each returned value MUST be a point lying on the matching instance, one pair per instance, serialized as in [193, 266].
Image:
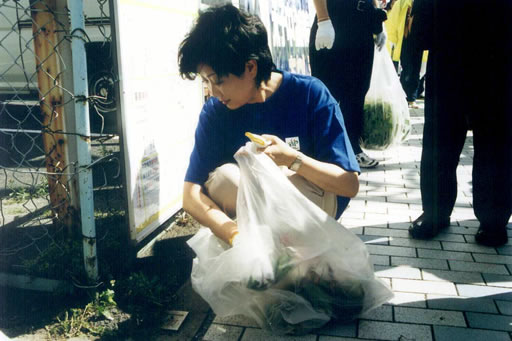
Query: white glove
[324, 35]
[380, 39]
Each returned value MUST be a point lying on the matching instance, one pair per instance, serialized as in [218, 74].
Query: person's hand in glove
[380, 40]
[324, 35]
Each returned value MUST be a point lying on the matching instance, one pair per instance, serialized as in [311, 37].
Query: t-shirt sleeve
[331, 142]
[203, 157]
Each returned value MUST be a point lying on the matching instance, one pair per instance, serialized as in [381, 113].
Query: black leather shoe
[425, 228]
[488, 237]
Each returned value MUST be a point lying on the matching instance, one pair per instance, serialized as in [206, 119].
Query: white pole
[83, 138]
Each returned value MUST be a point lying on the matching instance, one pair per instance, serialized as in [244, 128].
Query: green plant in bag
[379, 126]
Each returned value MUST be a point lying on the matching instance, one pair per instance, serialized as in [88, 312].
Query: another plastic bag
[293, 267]
[386, 113]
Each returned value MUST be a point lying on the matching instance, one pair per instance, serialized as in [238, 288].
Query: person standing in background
[341, 47]
[407, 56]
[395, 26]
[467, 88]
[410, 60]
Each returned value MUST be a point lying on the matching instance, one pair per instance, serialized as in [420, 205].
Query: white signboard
[159, 109]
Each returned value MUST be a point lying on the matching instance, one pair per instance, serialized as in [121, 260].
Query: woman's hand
[279, 151]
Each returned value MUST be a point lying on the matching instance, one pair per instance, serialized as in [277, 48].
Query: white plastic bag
[386, 112]
[293, 267]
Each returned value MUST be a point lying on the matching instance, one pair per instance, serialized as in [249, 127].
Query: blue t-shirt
[300, 110]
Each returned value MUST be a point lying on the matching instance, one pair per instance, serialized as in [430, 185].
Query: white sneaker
[365, 161]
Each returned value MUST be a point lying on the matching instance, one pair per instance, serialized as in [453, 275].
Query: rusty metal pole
[44, 28]
[56, 144]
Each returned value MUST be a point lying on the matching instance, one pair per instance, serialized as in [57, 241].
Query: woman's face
[233, 91]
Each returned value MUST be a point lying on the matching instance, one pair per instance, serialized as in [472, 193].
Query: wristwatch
[296, 163]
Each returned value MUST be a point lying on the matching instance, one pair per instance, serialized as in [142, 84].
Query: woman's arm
[327, 176]
[206, 212]
[321, 10]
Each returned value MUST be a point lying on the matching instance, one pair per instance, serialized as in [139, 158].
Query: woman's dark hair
[225, 38]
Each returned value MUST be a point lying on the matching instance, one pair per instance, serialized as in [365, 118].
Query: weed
[21, 194]
[83, 321]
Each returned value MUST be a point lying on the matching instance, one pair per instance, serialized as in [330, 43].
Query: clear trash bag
[293, 268]
[386, 120]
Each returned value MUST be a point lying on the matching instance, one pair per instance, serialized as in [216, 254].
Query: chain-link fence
[40, 226]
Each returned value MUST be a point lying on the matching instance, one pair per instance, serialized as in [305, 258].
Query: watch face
[296, 163]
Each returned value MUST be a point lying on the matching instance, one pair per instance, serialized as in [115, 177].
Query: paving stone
[416, 208]
[375, 330]
[382, 313]
[498, 280]
[425, 244]
[497, 259]
[504, 250]
[438, 254]
[489, 321]
[391, 250]
[371, 198]
[221, 332]
[453, 276]
[386, 281]
[444, 333]
[407, 299]
[374, 240]
[462, 230]
[375, 218]
[353, 214]
[338, 329]
[450, 237]
[430, 316]
[397, 219]
[467, 247]
[462, 213]
[335, 338]
[479, 305]
[478, 267]
[377, 207]
[469, 290]
[353, 226]
[383, 225]
[379, 260]
[236, 320]
[505, 307]
[400, 226]
[397, 272]
[440, 264]
[425, 287]
[253, 334]
[398, 208]
[372, 231]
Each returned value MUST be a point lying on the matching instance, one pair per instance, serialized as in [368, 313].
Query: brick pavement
[448, 288]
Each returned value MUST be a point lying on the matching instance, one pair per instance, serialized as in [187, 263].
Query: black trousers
[410, 58]
[346, 73]
[455, 103]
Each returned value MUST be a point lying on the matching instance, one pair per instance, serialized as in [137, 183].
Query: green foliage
[61, 258]
[146, 296]
[83, 321]
[379, 128]
[21, 194]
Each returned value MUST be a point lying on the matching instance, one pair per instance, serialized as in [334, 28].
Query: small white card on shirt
[293, 142]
